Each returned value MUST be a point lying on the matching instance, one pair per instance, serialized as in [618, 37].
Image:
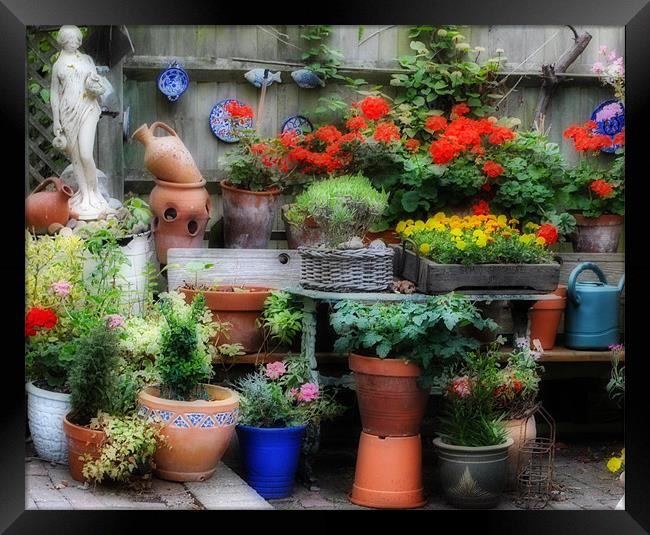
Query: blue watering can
[592, 312]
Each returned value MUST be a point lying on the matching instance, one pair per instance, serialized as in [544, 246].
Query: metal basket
[346, 270]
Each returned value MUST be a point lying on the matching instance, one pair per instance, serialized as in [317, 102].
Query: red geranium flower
[238, 111]
[412, 145]
[619, 139]
[435, 123]
[328, 133]
[374, 108]
[460, 109]
[500, 134]
[445, 149]
[601, 188]
[481, 208]
[386, 132]
[356, 123]
[492, 169]
[486, 187]
[585, 138]
[258, 148]
[548, 232]
[43, 318]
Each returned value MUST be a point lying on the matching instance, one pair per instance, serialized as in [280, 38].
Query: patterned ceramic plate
[173, 81]
[297, 124]
[610, 118]
[221, 123]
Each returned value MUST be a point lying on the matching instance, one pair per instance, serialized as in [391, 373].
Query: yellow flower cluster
[616, 463]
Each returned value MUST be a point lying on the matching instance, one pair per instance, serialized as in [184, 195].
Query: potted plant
[596, 191]
[396, 350]
[198, 418]
[281, 321]
[472, 442]
[278, 401]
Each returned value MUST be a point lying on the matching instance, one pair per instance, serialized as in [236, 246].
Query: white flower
[479, 49]
[500, 51]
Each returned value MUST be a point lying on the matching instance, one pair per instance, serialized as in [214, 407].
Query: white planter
[45, 412]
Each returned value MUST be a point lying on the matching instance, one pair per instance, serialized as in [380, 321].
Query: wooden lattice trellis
[44, 159]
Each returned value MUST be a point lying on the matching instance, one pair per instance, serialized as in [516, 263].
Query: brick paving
[582, 482]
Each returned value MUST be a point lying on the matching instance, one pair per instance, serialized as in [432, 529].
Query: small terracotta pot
[597, 234]
[81, 441]
[240, 309]
[198, 432]
[308, 235]
[545, 319]
[390, 402]
[42, 208]
[388, 473]
[247, 216]
[181, 213]
[167, 158]
[387, 236]
[519, 430]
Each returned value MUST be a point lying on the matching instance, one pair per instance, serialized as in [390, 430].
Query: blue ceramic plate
[297, 124]
[611, 126]
[221, 125]
[173, 81]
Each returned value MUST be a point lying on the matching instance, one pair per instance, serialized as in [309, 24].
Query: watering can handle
[167, 128]
[573, 278]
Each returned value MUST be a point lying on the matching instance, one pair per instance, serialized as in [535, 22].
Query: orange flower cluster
[602, 188]
[585, 138]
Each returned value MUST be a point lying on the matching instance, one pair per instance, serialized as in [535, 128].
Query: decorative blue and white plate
[298, 124]
[221, 123]
[610, 118]
[173, 81]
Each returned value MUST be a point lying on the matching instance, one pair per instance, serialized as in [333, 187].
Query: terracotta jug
[42, 208]
[166, 157]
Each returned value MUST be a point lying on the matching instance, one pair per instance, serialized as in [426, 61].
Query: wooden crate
[434, 278]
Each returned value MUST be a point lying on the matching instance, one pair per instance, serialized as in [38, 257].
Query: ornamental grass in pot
[278, 402]
[198, 418]
[396, 350]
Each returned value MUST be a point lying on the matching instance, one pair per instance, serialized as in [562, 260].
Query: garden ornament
[258, 76]
[306, 79]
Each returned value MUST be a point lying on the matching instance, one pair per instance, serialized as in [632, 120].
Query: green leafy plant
[616, 384]
[281, 318]
[281, 394]
[425, 333]
[344, 207]
[584, 200]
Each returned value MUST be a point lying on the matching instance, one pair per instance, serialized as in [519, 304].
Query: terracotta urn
[239, 308]
[167, 157]
[42, 207]
[81, 441]
[181, 213]
[597, 234]
[197, 432]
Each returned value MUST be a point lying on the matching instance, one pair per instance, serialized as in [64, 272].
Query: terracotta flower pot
[520, 430]
[181, 213]
[388, 473]
[247, 216]
[597, 234]
[545, 319]
[198, 432]
[81, 440]
[387, 236]
[390, 402]
[308, 235]
[42, 208]
[167, 157]
[240, 309]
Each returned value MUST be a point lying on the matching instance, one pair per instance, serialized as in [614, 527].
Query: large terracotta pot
[42, 208]
[240, 309]
[45, 413]
[81, 441]
[597, 234]
[388, 473]
[197, 432]
[390, 402]
[519, 430]
[167, 157]
[308, 235]
[181, 213]
[247, 216]
[545, 319]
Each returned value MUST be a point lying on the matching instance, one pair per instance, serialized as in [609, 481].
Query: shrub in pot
[198, 418]
[472, 441]
[278, 402]
[396, 351]
[281, 321]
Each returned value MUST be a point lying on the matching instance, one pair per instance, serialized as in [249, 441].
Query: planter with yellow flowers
[479, 253]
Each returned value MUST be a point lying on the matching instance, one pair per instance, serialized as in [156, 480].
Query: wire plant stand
[536, 465]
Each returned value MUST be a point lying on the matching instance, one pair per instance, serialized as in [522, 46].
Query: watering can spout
[621, 283]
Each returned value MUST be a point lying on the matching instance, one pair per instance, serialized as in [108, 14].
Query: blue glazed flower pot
[270, 458]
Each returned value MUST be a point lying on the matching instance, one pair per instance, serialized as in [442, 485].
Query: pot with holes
[181, 213]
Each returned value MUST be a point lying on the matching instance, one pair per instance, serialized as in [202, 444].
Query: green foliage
[281, 318]
[92, 374]
[343, 207]
[127, 451]
[616, 384]
[47, 362]
[183, 362]
[266, 402]
[425, 333]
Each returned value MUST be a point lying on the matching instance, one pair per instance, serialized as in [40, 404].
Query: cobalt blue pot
[270, 458]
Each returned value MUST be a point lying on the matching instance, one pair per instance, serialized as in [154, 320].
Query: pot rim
[602, 220]
[147, 394]
[438, 442]
[44, 393]
[286, 429]
[256, 289]
[390, 367]
[180, 185]
[225, 184]
[82, 432]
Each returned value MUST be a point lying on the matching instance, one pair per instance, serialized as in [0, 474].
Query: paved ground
[582, 482]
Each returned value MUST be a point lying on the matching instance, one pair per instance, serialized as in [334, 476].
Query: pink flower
[114, 321]
[275, 370]
[602, 49]
[460, 386]
[61, 288]
[294, 393]
[609, 111]
[597, 68]
[308, 392]
[612, 55]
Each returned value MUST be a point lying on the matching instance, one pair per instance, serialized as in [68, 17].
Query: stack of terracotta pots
[179, 200]
[389, 461]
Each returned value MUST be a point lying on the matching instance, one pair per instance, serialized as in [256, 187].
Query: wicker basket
[346, 270]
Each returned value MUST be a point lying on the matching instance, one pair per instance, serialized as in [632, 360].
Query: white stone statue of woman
[75, 110]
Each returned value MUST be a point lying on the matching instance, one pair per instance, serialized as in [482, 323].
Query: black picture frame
[16, 15]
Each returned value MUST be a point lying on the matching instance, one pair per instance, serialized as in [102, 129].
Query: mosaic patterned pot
[198, 432]
[45, 412]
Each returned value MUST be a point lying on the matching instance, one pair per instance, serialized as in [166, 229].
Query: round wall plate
[221, 123]
[173, 81]
[610, 120]
[298, 124]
